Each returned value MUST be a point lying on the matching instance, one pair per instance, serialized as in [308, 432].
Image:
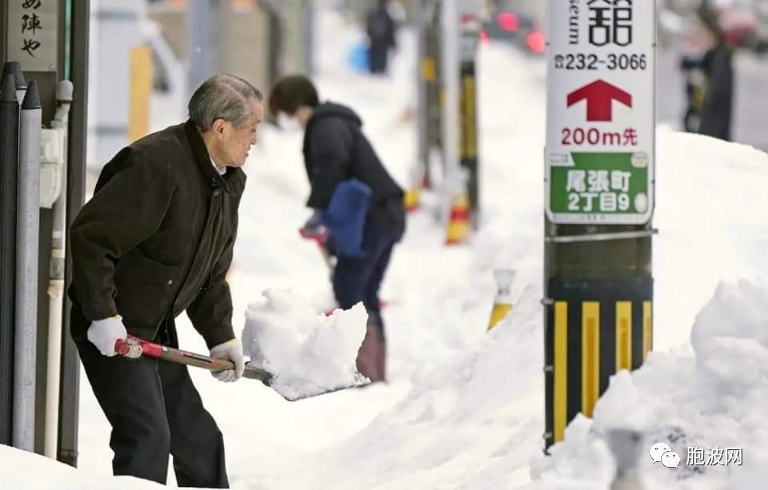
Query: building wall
[241, 33]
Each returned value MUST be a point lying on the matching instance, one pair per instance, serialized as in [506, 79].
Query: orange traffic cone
[458, 221]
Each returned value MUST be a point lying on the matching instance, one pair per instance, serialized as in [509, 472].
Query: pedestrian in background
[717, 65]
[354, 197]
[381, 29]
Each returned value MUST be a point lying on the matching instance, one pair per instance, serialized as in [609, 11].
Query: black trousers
[378, 57]
[155, 411]
[357, 279]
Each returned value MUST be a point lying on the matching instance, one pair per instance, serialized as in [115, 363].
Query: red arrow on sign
[599, 96]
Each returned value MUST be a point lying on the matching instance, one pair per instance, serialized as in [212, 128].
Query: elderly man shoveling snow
[155, 240]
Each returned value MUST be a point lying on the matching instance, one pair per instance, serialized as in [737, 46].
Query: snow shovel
[135, 347]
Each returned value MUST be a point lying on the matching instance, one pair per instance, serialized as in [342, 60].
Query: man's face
[235, 143]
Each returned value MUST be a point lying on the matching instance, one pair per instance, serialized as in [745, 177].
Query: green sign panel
[599, 184]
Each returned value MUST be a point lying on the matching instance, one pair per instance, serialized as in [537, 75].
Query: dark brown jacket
[156, 239]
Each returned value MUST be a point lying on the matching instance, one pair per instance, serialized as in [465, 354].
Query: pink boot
[371, 361]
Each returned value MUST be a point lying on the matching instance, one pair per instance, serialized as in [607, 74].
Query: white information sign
[600, 111]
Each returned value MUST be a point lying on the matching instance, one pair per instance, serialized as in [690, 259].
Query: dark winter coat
[157, 237]
[381, 29]
[717, 112]
[335, 149]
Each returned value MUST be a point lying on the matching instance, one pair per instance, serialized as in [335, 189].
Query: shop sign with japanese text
[33, 33]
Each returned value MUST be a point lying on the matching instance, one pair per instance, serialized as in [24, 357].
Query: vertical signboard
[600, 109]
[32, 34]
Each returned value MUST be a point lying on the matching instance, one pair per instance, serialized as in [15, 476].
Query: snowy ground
[464, 409]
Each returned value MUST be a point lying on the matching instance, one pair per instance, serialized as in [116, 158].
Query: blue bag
[345, 217]
[357, 57]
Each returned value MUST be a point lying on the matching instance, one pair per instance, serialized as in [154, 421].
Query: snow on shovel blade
[290, 389]
[293, 388]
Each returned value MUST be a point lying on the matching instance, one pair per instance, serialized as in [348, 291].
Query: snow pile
[21, 470]
[710, 400]
[306, 351]
[711, 228]
[467, 422]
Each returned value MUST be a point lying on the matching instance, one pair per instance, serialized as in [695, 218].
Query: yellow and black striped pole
[470, 31]
[595, 328]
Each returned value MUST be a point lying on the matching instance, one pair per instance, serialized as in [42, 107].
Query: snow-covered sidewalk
[464, 408]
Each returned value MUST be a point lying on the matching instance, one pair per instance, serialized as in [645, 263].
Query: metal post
[9, 154]
[4, 23]
[451, 75]
[599, 203]
[277, 35]
[309, 37]
[13, 68]
[298, 22]
[70, 361]
[56, 285]
[425, 73]
[199, 42]
[28, 226]
[221, 38]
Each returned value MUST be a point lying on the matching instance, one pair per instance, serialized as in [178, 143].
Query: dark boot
[370, 357]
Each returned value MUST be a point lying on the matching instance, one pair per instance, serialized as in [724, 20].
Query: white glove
[231, 350]
[104, 333]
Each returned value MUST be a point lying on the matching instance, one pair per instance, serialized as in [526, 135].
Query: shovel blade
[294, 388]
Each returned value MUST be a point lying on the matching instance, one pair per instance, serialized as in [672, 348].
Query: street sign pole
[600, 179]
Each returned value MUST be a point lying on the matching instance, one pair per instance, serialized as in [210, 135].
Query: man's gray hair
[222, 97]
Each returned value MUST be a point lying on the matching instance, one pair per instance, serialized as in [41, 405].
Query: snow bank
[711, 227]
[21, 470]
[306, 351]
[466, 423]
[711, 398]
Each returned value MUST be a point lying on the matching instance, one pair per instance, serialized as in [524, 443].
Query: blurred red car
[740, 26]
[513, 23]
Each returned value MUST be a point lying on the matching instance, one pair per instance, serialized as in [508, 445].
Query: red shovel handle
[134, 347]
